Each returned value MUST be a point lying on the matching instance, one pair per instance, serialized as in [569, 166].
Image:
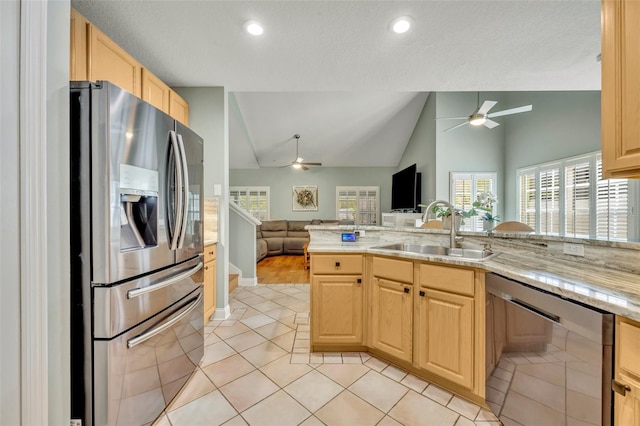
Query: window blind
[254, 199]
[360, 204]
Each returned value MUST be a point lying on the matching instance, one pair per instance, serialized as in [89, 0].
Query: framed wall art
[305, 198]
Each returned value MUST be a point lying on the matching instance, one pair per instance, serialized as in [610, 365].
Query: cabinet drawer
[209, 253]
[336, 264]
[447, 279]
[628, 335]
[393, 269]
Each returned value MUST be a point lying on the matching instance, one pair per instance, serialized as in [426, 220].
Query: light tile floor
[257, 370]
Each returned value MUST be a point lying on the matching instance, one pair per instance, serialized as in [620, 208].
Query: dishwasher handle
[533, 309]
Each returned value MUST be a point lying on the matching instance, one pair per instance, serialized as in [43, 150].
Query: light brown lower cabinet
[209, 290]
[445, 335]
[392, 318]
[627, 373]
[336, 309]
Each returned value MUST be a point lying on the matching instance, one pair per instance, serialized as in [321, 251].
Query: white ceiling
[334, 73]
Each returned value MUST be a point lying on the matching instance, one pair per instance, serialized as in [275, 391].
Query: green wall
[281, 181]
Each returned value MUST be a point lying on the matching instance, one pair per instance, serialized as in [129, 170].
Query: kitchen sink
[464, 253]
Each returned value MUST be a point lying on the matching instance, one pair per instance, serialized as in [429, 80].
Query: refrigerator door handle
[185, 183]
[168, 324]
[178, 190]
[144, 290]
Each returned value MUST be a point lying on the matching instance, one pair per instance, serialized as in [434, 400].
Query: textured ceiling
[345, 46]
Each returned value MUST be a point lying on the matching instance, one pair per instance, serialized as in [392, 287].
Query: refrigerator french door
[136, 250]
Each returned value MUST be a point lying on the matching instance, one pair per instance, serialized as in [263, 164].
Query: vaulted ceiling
[334, 73]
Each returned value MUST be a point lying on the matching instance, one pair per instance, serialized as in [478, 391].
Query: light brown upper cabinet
[94, 56]
[108, 61]
[78, 53]
[178, 108]
[620, 89]
[155, 91]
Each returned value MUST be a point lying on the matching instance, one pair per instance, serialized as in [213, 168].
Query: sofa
[276, 237]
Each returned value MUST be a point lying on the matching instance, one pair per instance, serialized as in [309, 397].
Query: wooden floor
[282, 270]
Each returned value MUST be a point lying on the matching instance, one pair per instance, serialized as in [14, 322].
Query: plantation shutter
[612, 200]
[527, 198]
[360, 204]
[464, 190]
[550, 201]
[253, 199]
[577, 202]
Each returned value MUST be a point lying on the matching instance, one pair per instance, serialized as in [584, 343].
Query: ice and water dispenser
[138, 208]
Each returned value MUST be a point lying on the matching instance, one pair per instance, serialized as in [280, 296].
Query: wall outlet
[360, 233]
[76, 422]
[573, 249]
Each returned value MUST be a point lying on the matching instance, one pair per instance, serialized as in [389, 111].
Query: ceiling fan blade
[455, 127]
[452, 118]
[490, 124]
[525, 108]
[311, 164]
[486, 106]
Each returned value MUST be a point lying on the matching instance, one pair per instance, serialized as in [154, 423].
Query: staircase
[233, 282]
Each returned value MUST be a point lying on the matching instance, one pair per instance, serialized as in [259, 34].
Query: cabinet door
[209, 290]
[78, 44]
[620, 88]
[627, 372]
[446, 335]
[178, 108]
[108, 61]
[337, 310]
[392, 318]
[155, 91]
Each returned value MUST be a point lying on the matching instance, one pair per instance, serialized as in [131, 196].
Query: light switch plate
[573, 249]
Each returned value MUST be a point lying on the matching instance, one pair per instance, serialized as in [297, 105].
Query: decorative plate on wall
[305, 198]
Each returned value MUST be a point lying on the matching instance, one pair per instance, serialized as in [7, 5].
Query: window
[254, 199]
[570, 198]
[358, 203]
[465, 188]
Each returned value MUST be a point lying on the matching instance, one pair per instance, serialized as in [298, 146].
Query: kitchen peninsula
[428, 314]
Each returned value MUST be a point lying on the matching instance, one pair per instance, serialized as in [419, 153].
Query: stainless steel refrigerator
[137, 328]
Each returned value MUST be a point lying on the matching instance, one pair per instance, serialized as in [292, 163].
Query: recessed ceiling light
[253, 27]
[401, 25]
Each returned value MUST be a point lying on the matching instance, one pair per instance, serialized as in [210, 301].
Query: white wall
[242, 247]
[421, 149]
[282, 180]
[58, 267]
[10, 214]
[561, 124]
[208, 109]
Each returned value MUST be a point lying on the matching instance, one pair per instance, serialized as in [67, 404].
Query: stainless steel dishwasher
[549, 360]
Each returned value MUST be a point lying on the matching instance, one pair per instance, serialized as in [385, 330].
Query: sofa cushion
[296, 229]
[261, 249]
[274, 245]
[294, 245]
[258, 232]
[274, 228]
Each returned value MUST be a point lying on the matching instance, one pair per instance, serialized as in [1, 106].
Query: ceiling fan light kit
[299, 163]
[481, 116]
[401, 24]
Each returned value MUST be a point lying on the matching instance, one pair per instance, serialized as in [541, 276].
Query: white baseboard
[248, 282]
[222, 313]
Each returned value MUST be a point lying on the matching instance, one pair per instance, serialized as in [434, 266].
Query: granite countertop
[210, 242]
[608, 289]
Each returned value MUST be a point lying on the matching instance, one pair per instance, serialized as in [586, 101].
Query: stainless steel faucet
[452, 233]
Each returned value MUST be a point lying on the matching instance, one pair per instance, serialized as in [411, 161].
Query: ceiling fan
[482, 117]
[299, 163]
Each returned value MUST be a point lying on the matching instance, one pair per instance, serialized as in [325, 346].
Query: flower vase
[487, 225]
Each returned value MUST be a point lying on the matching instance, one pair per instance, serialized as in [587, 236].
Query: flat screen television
[406, 189]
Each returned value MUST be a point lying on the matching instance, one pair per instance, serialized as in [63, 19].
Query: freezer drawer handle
[144, 290]
[149, 334]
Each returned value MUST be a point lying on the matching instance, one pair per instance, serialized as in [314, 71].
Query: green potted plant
[444, 213]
